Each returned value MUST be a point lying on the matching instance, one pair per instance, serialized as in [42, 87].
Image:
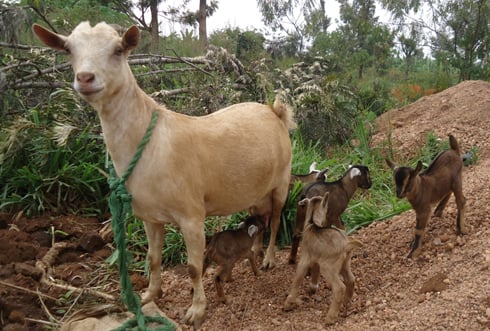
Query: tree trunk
[203, 35]
[155, 40]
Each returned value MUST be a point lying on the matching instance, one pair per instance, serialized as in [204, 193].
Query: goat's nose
[85, 77]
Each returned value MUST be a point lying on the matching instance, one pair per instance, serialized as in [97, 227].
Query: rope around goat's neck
[120, 207]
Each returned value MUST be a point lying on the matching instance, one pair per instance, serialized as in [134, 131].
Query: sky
[243, 14]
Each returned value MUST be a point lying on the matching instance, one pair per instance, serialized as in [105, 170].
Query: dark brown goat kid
[227, 247]
[312, 176]
[423, 189]
[341, 191]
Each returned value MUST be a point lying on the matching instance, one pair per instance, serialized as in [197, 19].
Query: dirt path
[446, 288]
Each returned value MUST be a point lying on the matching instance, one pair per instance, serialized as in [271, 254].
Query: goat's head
[316, 210]
[361, 174]
[253, 225]
[98, 56]
[404, 177]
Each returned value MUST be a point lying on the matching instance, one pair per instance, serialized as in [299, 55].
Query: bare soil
[446, 288]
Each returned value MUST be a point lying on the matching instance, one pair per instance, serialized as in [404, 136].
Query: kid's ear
[252, 229]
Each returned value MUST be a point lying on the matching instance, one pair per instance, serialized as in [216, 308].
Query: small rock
[91, 242]
[437, 242]
[28, 270]
[435, 284]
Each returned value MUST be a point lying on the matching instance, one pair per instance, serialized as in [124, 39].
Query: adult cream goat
[235, 159]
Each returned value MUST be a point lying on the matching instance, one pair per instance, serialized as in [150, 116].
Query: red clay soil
[446, 288]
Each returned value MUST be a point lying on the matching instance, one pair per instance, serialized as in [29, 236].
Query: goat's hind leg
[461, 205]
[441, 205]
[218, 282]
[338, 293]
[349, 281]
[278, 199]
[314, 276]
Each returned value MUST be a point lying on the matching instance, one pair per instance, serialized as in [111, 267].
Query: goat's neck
[349, 185]
[414, 196]
[125, 119]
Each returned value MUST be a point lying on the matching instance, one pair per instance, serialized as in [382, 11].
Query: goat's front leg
[156, 235]
[301, 271]
[298, 229]
[419, 232]
[253, 262]
[193, 231]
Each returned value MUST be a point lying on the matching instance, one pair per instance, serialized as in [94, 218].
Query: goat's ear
[252, 229]
[50, 38]
[313, 167]
[304, 202]
[131, 38]
[391, 164]
[354, 172]
[325, 199]
[419, 167]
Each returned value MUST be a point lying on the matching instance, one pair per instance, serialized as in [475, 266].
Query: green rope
[120, 206]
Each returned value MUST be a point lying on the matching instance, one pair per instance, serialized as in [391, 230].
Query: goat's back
[230, 160]
[338, 199]
[229, 244]
[324, 243]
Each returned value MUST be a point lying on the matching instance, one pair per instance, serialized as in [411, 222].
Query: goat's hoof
[312, 289]
[331, 320]
[224, 300]
[195, 316]
[149, 296]
[268, 264]
[291, 303]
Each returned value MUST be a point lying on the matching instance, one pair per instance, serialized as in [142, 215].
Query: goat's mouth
[87, 92]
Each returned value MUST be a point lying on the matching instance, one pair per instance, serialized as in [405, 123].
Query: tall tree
[463, 35]
[410, 46]
[299, 21]
[366, 42]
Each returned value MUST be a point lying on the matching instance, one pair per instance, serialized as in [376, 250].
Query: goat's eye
[118, 51]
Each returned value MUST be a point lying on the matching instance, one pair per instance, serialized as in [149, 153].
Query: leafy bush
[48, 164]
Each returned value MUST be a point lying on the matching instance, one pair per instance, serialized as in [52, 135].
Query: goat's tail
[353, 244]
[284, 112]
[454, 144]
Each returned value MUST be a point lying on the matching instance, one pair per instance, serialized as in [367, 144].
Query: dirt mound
[446, 288]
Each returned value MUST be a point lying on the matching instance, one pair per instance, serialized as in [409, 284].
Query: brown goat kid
[312, 176]
[423, 189]
[327, 251]
[227, 247]
[177, 179]
[341, 191]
